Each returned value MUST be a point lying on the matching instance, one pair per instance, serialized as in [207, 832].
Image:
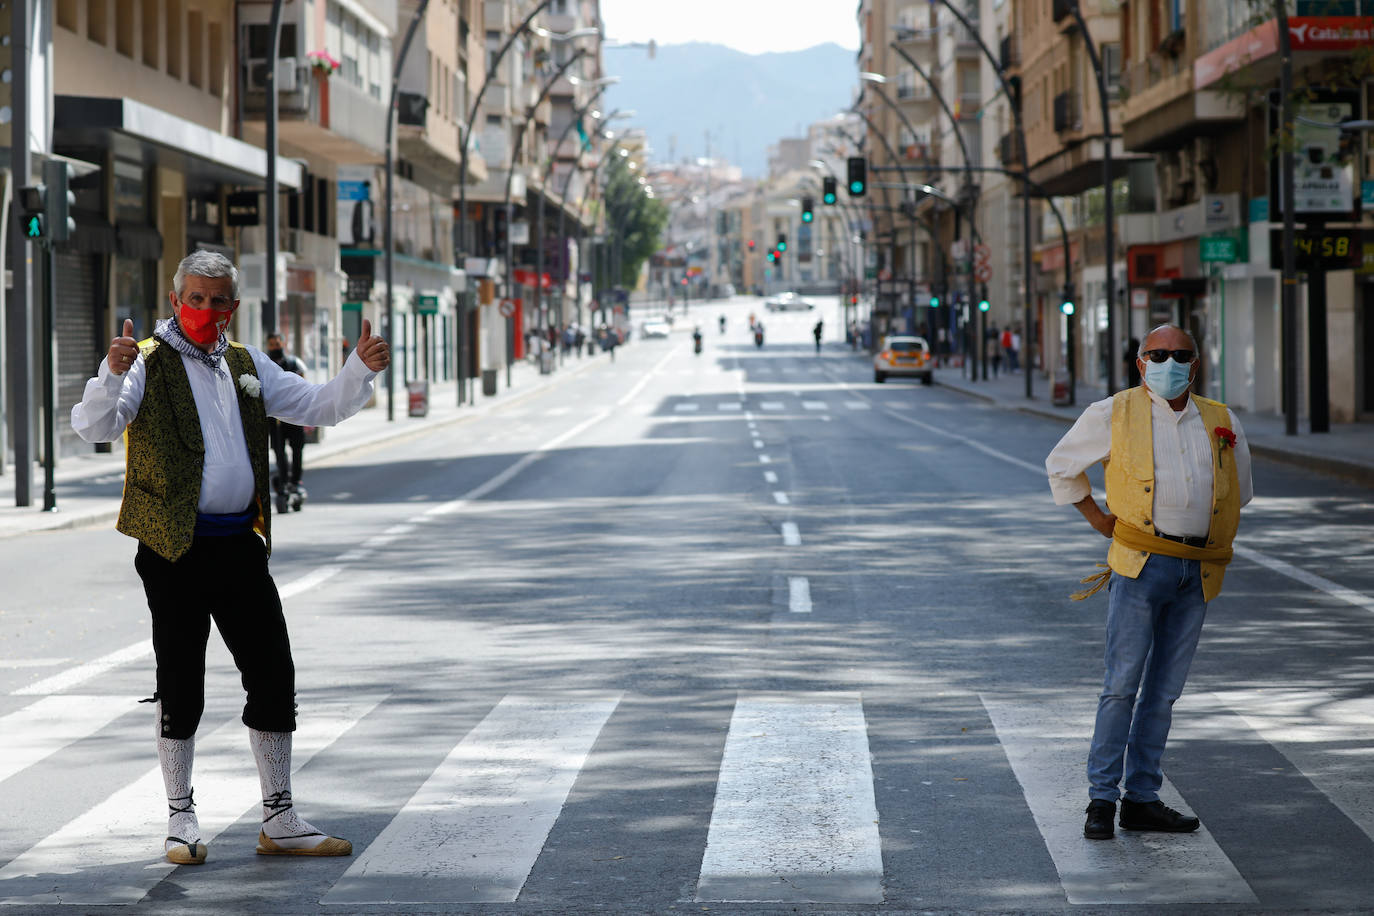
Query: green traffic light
[856, 187]
[1066, 308]
[33, 226]
[807, 216]
[782, 246]
[935, 302]
[829, 198]
[984, 305]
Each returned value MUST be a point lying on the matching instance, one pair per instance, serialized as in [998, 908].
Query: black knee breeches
[224, 578]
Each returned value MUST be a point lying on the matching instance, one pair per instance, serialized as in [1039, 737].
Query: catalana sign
[1305, 33]
[1330, 33]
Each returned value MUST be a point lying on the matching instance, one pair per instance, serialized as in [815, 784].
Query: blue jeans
[1153, 624]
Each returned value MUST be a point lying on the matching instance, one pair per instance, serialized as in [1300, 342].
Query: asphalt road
[740, 632]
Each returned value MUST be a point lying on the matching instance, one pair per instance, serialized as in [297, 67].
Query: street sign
[506, 308]
[427, 305]
[1219, 249]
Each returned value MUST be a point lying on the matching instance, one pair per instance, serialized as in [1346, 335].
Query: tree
[634, 222]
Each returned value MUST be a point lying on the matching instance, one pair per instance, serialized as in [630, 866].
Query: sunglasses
[1159, 356]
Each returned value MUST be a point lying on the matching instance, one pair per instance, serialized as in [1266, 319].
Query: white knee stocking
[280, 822]
[176, 756]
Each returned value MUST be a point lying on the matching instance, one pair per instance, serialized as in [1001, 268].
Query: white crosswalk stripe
[1046, 744]
[112, 854]
[794, 817]
[483, 816]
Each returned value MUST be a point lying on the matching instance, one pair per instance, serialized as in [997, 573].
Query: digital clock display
[1321, 249]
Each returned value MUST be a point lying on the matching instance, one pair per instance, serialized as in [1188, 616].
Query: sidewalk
[1347, 451]
[88, 486]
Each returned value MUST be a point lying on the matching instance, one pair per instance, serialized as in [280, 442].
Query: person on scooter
[287, 482]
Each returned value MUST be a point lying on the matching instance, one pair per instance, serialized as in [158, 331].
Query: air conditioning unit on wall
[287, 74]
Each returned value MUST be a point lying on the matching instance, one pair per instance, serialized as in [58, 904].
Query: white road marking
[1046, 744]
[770, 477]
[971, 443]
[557, 411]
[813, 405]
[474, 829]
[46, 726]
[794, 818]
[798, 594]
[112, 854]
[398, 530]
[857, 405]
[730, 405]
[310, 580]
[791, 535]
[686, 408]
[780, 498]
[1340, 592]
[65, 680]
[639, 386]
[749, 415]
[354, 555]
[758, 443]
[771, 405]
[764, 459]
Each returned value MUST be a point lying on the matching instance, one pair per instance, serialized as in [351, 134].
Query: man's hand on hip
[1104, 522]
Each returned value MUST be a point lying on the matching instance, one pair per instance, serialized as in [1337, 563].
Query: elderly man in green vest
[1177, 470]
[194, 408]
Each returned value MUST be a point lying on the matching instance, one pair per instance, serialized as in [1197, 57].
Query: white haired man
[194, 407]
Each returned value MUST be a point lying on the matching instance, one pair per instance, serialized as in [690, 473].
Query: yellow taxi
[904, 355]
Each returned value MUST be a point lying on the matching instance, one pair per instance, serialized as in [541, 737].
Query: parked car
[787, 302]
[654, 327]
[903, 355]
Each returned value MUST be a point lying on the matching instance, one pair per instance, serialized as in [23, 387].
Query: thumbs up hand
[123, 350]
[373, 351]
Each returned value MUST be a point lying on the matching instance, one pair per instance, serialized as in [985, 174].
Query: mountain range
[746, 101]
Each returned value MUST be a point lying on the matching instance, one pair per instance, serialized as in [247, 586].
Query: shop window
[98, 21]
[216, 60]
[323, 195]
[195, 48]
[124, 27]
[173, 27]
[66, 14]
[150, 33]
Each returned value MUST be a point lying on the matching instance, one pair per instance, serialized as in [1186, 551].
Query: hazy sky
[752, 26]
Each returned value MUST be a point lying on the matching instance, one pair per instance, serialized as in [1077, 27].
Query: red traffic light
[750, 243]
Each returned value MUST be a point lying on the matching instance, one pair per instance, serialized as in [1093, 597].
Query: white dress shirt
[110, 403]
[1183, 463]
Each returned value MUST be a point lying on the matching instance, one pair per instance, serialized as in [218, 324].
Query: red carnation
[1228, 438]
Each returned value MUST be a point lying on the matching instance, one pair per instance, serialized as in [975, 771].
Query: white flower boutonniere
[250, 384]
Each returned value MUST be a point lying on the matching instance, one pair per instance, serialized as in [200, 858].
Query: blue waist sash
[218, 526]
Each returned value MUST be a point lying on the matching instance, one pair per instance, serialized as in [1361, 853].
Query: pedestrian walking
[1177, 474]
[818, 332]
[286, 483]
[992, 350]
[194, 407]
[1016, 351]
[1007, 350]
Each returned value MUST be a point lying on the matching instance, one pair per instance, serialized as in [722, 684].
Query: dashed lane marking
[798, 594]
[791, 534]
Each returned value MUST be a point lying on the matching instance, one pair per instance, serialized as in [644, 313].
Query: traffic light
[32, 201]
[935, 302]
[772, 256]
[828, 191]
[782, 242]
[59, 200]
[858, 176]
[808, 206]
[1066, 307]
[750, 243]
[984, 305]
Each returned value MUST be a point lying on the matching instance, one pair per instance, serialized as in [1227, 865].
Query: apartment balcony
[1066, 113]
[1009, 54]
[913, 93]
[1009, 150]
[1162, 107]
[327, 116]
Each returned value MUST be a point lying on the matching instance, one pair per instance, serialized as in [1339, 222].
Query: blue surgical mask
[1168, 379]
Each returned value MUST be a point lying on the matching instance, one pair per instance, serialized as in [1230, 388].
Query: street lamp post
[387, 224]
[460, 225]
[887, 203]
[1014, 96]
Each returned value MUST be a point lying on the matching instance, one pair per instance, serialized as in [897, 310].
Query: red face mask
[203, 326]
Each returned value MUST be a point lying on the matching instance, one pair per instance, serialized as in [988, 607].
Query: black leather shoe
[1155, 815]
[1098, 826]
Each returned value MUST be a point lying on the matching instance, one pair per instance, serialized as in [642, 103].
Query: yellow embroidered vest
[165, 453]
[1130, 476]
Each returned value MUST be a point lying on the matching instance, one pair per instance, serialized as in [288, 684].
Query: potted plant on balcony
[323, 64]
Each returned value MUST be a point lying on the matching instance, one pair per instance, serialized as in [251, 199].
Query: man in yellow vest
[194, 407]
[1177, 470]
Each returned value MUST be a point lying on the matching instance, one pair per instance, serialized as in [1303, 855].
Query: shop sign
[242, 209]
[427, 305]
[358, 288]
[1367, 194]
[1222, 249]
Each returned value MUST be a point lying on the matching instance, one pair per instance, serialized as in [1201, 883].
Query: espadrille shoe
[311, 844]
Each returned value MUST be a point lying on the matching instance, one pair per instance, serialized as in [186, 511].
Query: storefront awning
[141, 132]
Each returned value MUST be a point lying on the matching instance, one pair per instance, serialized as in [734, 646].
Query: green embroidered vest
[165, 452]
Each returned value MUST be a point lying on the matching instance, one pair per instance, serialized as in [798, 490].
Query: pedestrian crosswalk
[793, 816]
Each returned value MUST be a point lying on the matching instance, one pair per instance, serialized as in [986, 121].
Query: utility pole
[1288, 287]
[19, 320]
